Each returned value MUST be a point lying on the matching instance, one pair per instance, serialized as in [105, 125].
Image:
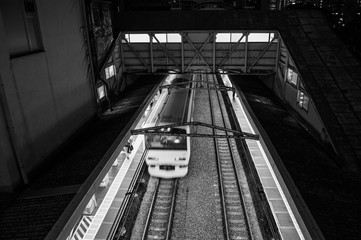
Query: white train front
[168, 155]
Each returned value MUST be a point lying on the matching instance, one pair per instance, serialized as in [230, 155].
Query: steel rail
[254, 178]
[171, 210]
[147, 222]
[247, 218]
[221, 188]
[151, 211]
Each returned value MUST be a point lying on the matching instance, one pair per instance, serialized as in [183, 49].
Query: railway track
[159, 220]
[235, 218]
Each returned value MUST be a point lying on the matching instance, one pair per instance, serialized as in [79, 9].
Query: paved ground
[332, 195]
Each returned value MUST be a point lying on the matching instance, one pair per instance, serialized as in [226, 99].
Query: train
[168, 155]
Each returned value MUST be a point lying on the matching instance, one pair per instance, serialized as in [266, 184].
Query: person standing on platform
[128, 147]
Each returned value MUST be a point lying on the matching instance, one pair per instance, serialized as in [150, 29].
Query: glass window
[174, 38]
[271, 36]
[139, 38]
[168, 141]
[302, 100]
[109, 72]
[236, 36]
[168, 38]
[101, 92]
[292, 77]
[162, 37]
[258, 37]
[223, 37]
[127, 38]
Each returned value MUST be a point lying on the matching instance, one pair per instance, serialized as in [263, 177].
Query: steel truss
[159, 130]
[200, 50]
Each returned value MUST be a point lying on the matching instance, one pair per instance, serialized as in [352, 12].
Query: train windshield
[174, 142]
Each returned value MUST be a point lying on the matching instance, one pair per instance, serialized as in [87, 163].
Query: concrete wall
[48, 93]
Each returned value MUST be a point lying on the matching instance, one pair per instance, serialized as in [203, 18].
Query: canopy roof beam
[164, 50]
[136, 54]
[198, 52]
[261, 54]
[231, 51]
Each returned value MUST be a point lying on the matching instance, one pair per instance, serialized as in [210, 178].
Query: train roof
[176, 107]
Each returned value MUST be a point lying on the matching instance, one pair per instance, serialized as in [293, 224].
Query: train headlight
[153, 158]
[180, 159]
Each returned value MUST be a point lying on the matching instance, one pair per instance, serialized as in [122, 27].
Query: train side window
[21, 26]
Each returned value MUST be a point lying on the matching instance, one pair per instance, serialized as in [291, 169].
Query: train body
[168, 155]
